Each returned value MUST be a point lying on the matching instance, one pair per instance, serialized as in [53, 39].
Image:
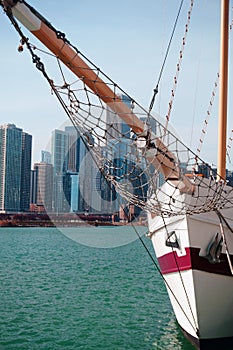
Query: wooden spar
[160, 157]
[223, 86]
[76, 64]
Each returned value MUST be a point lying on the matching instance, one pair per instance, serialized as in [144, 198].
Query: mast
[223, 86]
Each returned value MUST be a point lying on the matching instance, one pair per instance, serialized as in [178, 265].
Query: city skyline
[58, 182]
[132, 55]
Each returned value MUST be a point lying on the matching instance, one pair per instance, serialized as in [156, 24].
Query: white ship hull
[201, 292]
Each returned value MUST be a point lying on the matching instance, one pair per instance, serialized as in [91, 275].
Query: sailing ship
[189, 214]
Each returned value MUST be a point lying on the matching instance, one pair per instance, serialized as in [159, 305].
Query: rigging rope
[123, 158]
[88, 116]
[40, 66]
[195, 327]
[206, 121]
[204, 128]
[178, 66]
[222, 219]
[229, 145]
[156, 89]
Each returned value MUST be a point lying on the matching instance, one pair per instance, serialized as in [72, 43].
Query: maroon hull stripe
[171, 262]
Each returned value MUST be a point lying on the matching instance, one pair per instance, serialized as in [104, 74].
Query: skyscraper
[59, 162]
[15, 160]
[117, 126]
[59, 151]
[68, 152]
[123, 154]
[86, 179]
[72, 152]
[43, 184]
[118, 130]
[33, 187]
[76, 149]
[25, 171]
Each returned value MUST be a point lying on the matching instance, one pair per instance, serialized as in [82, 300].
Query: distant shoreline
[61, 220]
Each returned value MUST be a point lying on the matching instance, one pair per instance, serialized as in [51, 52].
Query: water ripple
[57, 294]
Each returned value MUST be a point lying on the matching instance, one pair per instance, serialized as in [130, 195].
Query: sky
[127, 39]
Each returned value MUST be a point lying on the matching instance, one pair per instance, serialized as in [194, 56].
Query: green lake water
[98, 290]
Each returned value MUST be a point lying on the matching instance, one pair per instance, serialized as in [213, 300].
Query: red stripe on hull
[171, 262]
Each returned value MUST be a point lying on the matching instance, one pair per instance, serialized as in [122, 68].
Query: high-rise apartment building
[73, 148]
[117, 126]
[25, 171]
[118, 130]
[87, 178]
[68, 153]
[33, 187]
[43, 182]
[124, 156]
[76, 149]
[15, 161]
[59, 162]
[59, 151]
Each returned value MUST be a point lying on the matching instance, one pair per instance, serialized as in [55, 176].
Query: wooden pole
[223, 86]
[159, 156]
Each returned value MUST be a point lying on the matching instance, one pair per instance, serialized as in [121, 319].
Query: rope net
[125, 157]
[141, 159]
